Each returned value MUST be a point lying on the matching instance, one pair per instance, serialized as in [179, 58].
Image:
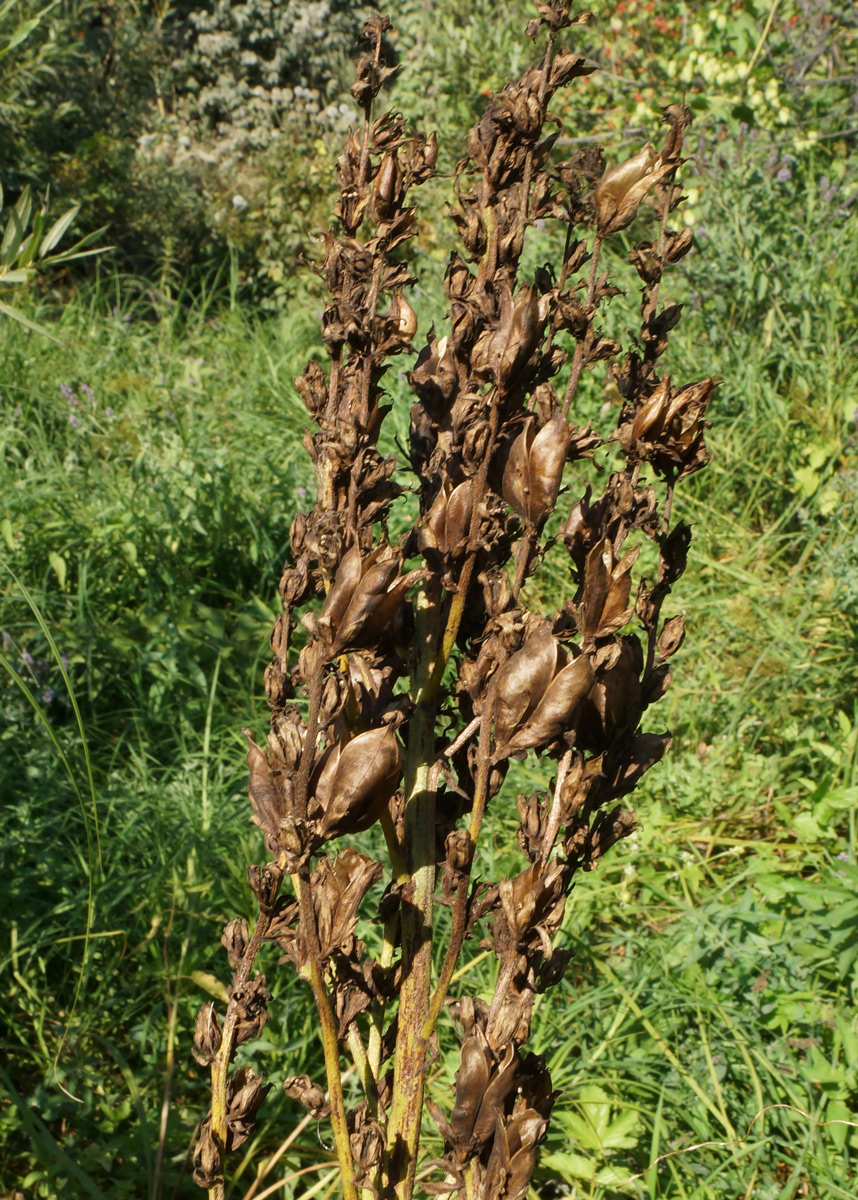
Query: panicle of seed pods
[418, 670]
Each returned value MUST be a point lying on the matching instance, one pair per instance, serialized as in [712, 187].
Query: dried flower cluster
[421, 672]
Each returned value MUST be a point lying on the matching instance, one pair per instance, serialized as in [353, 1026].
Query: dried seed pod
[668, 428]
[265, 884]
[208, 1159]
[536, 694]
[271, 792]
[534, 469]
[672, 636]
[513, 1158]
[621, 189]
[447, 525]
[482, 1085]
[604, 607]
[251, 1002]
[500, 354]
[533, 902]
[309, 1094]
[625, 769]
[338, 889]
[207, 1035]
[352, 782]
[234, 940]
[471, 1082]
[612, 708]
[678, 244]
[363, 599]
[387, 190]
[244, 1095]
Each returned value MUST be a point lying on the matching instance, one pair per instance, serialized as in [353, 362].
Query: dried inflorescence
[421, 671]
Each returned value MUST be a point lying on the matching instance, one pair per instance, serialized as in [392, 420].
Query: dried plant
[422, 673]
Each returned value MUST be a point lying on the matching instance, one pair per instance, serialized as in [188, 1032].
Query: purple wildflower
[108, 412]
[88, 392]
[27, 659]
[67, 392]
[47, 695]
[75, 421]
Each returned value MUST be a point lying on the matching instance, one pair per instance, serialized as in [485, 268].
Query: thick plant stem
[409, 1078]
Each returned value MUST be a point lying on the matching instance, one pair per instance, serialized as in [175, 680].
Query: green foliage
[29, 245]
[127, 465]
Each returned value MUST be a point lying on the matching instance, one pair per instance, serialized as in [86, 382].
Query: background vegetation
[152, 464]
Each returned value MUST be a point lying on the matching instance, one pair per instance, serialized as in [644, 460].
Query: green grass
[704, 1043]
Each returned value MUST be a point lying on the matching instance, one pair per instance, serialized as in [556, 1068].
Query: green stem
[460, 904]
[388, 945]
[311, 971]
[360, 1058]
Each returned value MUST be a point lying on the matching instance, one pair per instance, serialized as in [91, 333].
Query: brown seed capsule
[513, 1158]
[387, 189]
[363, 599]
[447, 524]
[604, 606]
[207, 1035]
[208, 1160]
[621, 189]
[338, 889]
[302, 1089]
[534, 469]
[672, 636]
[353, 781]
[234, 940]
[403, 316]
[536, 693]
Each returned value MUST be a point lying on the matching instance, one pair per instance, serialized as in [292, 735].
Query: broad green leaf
[612, 1177]
[567, 1165]
[6, 531]
[13, 236]
[18, 275]
[57, 230]
[21, 34]
[23, 319]
[843, 1120]
[59, 565]
[211, 984]
[807, 828]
